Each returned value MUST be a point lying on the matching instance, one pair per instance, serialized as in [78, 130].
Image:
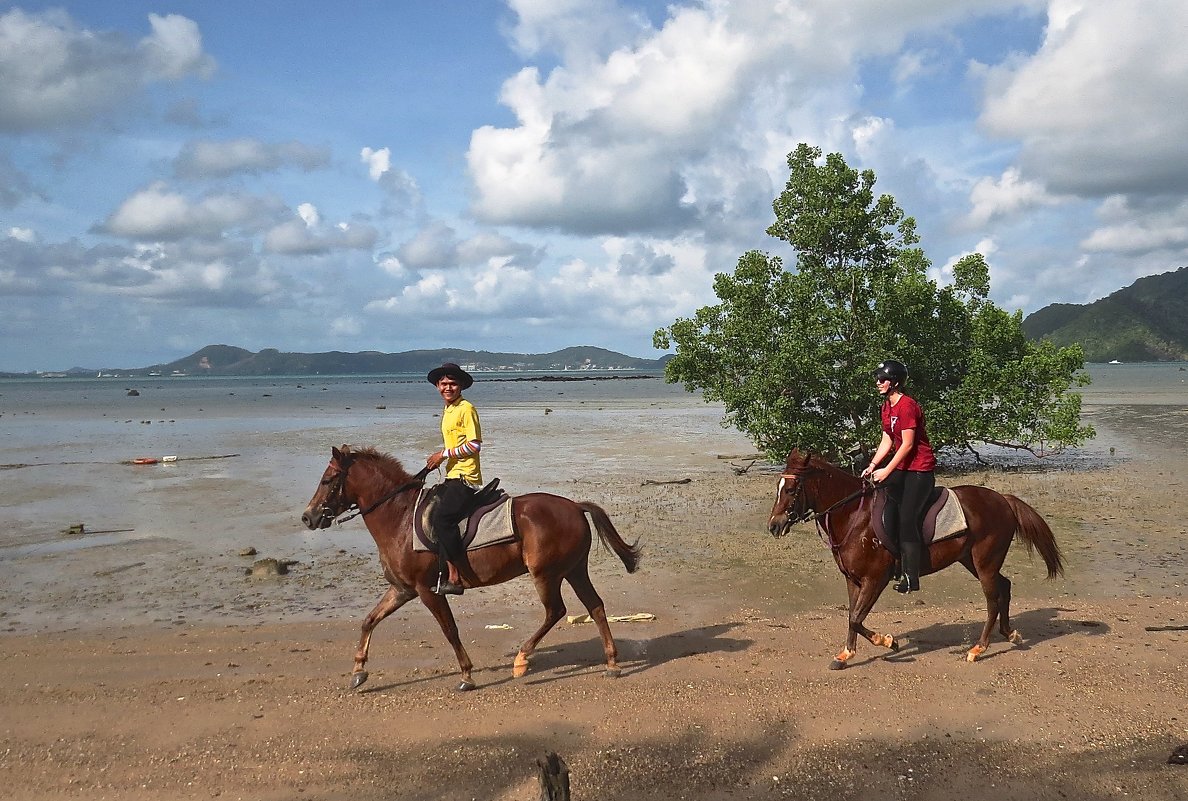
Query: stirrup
[447, 587]
[906, 586]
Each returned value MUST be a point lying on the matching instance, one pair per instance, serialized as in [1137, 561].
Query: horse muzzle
[317, 518]
[779, 526]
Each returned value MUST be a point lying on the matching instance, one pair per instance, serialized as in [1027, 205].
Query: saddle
[489, 524]
[943, 518]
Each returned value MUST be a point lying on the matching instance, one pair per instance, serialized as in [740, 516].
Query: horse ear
[340, 454]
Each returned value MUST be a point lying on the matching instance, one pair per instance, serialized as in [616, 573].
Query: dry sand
[148, 670]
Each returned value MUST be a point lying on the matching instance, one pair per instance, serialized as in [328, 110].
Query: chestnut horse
[839, 503]
[553, 543]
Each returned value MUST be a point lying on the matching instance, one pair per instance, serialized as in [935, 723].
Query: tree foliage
[790, 354]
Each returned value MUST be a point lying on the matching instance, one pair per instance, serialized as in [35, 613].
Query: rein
[821, 519]
[817, 517]
[417, 481]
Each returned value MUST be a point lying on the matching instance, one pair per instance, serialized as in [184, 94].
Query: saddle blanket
[943, 518]
[489, 525]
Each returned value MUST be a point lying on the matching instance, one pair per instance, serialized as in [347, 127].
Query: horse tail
[630, 554]
[1036, 534]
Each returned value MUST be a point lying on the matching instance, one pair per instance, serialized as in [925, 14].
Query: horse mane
[818, 462]
[387, 465]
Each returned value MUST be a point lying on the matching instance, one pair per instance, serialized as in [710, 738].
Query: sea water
[66, 444]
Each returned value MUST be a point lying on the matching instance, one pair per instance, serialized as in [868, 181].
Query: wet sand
[149, 666]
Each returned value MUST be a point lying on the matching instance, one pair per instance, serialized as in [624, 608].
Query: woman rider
[908, 475]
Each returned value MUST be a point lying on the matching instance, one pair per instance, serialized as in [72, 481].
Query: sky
[531, 175]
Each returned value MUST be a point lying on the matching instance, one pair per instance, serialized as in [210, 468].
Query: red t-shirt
[905, 414]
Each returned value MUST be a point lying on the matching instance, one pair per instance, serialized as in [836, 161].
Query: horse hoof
[520, 666]
[613, 673]
[357, 679]
[466, 686]
[1015, 638]
[836, 664]
[894, 644]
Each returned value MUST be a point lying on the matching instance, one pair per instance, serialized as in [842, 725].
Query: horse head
[330, 499]
[791, 506]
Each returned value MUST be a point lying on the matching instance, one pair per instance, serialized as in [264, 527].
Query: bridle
[336, 497]
[822, 518]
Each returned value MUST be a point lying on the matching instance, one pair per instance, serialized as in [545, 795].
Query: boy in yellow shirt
[463, 439]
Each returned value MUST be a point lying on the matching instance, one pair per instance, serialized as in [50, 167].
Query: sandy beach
[152, 667]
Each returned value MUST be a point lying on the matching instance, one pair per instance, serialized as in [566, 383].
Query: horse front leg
[862, 600]
[851, 646]
[440, 607]
[389, 602]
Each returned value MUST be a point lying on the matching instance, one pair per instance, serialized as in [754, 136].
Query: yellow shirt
[460, 424]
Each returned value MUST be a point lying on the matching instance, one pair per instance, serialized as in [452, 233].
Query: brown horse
[553, 543]
[812, 488]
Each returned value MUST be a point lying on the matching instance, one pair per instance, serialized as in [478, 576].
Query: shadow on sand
[1036, 626]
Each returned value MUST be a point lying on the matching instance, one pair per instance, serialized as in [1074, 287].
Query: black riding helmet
[893, 371]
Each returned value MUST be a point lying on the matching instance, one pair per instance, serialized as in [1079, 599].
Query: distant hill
[1145, 322]
[228, 360]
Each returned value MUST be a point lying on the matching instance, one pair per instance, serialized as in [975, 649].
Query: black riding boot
[453, 500]
[891, 526]
[444, 585]
[909, 554]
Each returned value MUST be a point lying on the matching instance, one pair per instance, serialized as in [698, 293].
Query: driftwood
[112, 571]
[20, 465]
[554, 777]
[738, 470]
[678, 481]
[1165, 628]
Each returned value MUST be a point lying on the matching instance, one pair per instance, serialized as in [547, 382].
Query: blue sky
[535, 174]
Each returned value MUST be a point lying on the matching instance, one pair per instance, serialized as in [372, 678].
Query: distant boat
[1113, 361]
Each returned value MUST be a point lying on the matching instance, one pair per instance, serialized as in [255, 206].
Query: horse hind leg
[1004, 611]
[993, 587]
[579, 579]
[549, 590]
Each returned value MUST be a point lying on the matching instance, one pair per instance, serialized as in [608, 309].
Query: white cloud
[22, 234]
[208, 159]
[578, 30]
[634, 139]
[183, 274]
[308, 212]
[434, 246]
[54, 73]
[378, 161]
[299, 237]
[346, 326]
[1009, 195]
[174, 50]
[1134, 232]
[909, 66]
[1102, 107]
[157, 213]
[437, 246]
[637, 283]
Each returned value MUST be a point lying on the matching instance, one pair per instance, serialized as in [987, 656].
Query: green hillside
[228, 360]
[1146, 321]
